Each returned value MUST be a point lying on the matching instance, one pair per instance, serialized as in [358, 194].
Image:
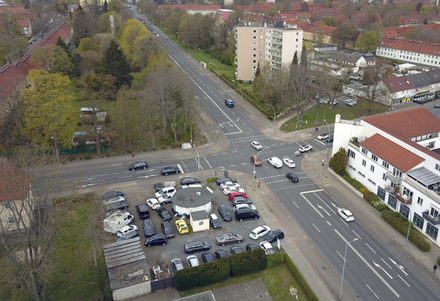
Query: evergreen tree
[63, 45]
[115, 63]
[295, 58]
[304, 56]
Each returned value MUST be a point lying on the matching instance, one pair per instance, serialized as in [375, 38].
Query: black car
[215, 221]
[220, 253]
[273, 235]
[225, 213]
[329, 139]
[143, 211]
[246, 213]
[110, 208]
[225, 179]
[164, 214]
[229, 103]
[170, 170]
[112, 194]
[189, 181]
[241, 200]
[236, 250]
[138, 165]
[207, 257]
[149, 229]
[157, 187]
[155, 240]
[167, 229]
[292, 177]
[196, 246]
[250, 247]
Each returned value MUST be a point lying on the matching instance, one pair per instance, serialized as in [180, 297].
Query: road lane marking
[386, 263]
[328, 223]
[244, 163]
[293, 187]
[340, 255]
[295, 204]
[399, 266]
[356, 234]
[316, 227]
[125, 177]
[325, 203]
[232, 165]
[372, 250]
[322, 208]
[207, 162]
[224, 153]
[199, 166]
[234, 151]
[180, 168]
[311, 205]
[377, 297]
[381, 268]
[403, 280]
[183, 163]
[368, 265]
[311, 191]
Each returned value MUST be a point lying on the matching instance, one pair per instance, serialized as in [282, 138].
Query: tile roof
[412, 81]
[396, 84]
[190, 6]
[260, 7]
[396, 32]
[409, 45]
[391, 152]
[314, 28]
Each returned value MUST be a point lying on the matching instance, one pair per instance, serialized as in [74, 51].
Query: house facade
[342, 64]
[396, 157]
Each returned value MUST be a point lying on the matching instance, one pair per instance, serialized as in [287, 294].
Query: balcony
[433, 220]
[404, 199]
[393, 178]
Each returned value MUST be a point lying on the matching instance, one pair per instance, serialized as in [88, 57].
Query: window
[254, 37]
[381, 193]
[361, 174]
[407, 192]
[371, 181]
[420, 201]
[374, 157]
[364, 163]
[385, 164]
[404, 210]
[372, 168]
[418, 221]
[351, 153]
[431, 231]
[384, 176]
[437, 166]
[364, 151]
[201, 223]
[392, 202]
[433, 212]
[349, 166]
[397, 173]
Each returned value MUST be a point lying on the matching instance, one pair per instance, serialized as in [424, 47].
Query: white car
[346, 215]
[256, 145]
[124, 230]
[305, 148]
[267, 247]
[153, 203]
[169, 191]
[229, 184]
[289, 162]
[230, 189]
[322, 137]
[193, 261]
[239, 206]
[275, 162]
[259, 232]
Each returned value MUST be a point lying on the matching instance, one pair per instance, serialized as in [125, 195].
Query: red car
[234, 194]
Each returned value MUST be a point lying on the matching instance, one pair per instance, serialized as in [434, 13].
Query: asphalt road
[372, 271]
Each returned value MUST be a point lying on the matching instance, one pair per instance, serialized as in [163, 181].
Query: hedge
[248, 262]
[275, 259]
[400, 223]
[299, 279]
[356, 184]
[438, 260]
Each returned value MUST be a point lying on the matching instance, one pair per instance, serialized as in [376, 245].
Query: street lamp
[258, 153]
[343, 265]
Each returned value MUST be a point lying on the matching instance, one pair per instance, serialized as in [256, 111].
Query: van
[255, 161]
[215, 221]
[169, 191]
[117, 220]
[143, 211]
[246, 213]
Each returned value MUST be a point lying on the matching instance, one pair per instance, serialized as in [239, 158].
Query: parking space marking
[328, 223]
[403, 280]
[293, 187]
[232, 165]
[244, 163]
[320, 142]
[183, 163]
[372, 250]
[356, 234]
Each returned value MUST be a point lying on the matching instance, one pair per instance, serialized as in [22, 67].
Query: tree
[339, 161]
[342, 34]
[105, 7]
[367, 41]
[372, 76]
[48, 121]
[295, 59]
[116, 65]
[83, 26]
[59, 62]
[299, 85]
[419, 7]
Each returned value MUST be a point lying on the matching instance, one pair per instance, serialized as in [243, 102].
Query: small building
[199, 221]
[127, 269]
[186, 201]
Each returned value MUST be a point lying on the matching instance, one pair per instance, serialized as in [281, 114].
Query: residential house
[24, 16]
[315, 32]
[396, 156]
[342, 64]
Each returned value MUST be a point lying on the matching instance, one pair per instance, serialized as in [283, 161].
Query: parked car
[275, 162]
[350, 102]
[305, 148]
[191, 186]
[193, 261]
[177, 264]
[292, 177]
[346, 215]
[246, 213]
[230, 189]
[167, 229]
[138, 165]
[234, 194]
[289, 162]
[181, 226]
[256, 145]
[259, 232]
[124, 230]
[241, 200]
[128, 235]
[329, 139]
[113, 207]
[255, 161]
[155, 240]
[215, 221]
[170, 170]
[229, 184]
[225, 213]
[225, 179]
[189, 181]
[164, 213]
[236, 250]
[322, 136]
[113, 200]
[437, 105]
[273, 235]
[207, 257]
[142, 210]
[229, 103]
[240, 206]
[220, 253]
[157, 187]
[153, 203]
[196, 246]
[165, 192]
[149, 229]
[228, 238]
[112, 194]
[250, 247]
[267, 247]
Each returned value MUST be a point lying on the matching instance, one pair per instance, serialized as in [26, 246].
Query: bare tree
[372, 76]
[299, 84]
[148, 114]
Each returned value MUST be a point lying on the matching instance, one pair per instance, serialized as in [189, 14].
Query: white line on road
[372, 250]
[224, 153]
[311, 205]
[293, 187]
[340, 255]
[386, 263]
[369, 265]
[316, 227]
[399, 266]
[377, 297]
[221, 167]
[124, 177]
[328, 223]
[356, 234]
[383, 270]
[311, 191]
[295, 204]
[183, 163]
[180, 168]
[334, 205]
[232, 165]
[322, 208]
[325, 203]
[207, 162]
[244, 163]
[234, 151]
[403, 280]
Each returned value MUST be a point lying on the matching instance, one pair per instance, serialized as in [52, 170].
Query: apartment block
[256, 45]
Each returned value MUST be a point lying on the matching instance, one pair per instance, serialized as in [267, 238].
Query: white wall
[132, 291]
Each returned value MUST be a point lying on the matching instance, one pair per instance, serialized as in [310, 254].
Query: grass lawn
[329, 112]
[278, 281]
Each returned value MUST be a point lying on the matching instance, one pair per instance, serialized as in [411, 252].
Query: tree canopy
[115, 63]
[367, 41]
[339, 161]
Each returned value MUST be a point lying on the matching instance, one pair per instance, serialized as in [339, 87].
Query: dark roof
[199, 215]
[192, 197]
[400, 83]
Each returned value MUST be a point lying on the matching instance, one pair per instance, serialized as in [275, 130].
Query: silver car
[193, 261]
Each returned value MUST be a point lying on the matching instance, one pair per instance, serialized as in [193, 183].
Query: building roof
[190, 6]
[409, 45]
[395, 32]
[199, 215]
[192, 197]
[412, 81]
[391, 152]
[424, 176]
[399, 83]
[313, 28]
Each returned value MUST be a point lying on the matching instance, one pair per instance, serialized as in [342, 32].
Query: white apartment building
[256, 45]
[417, 52]
[397, 156]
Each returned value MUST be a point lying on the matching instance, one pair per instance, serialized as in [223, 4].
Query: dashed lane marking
[295, 204]
[311, 205]
[372, 250]
[377, 297]
[316, 227]
[207, 162]
[403, 280]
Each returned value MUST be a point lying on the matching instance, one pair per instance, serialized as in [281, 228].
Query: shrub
[438, 260]
[248, 262]
[381, 207]
[299, 278]
[364, 190]
[275, 259]
[339, 161]
[356, 184]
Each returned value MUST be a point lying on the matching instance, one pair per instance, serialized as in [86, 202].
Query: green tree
[47, 117]
[59, 62]
[88, 44]
[115, 64]
[339, 161]
[342, 34]
[83, 26]
[367, 41]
